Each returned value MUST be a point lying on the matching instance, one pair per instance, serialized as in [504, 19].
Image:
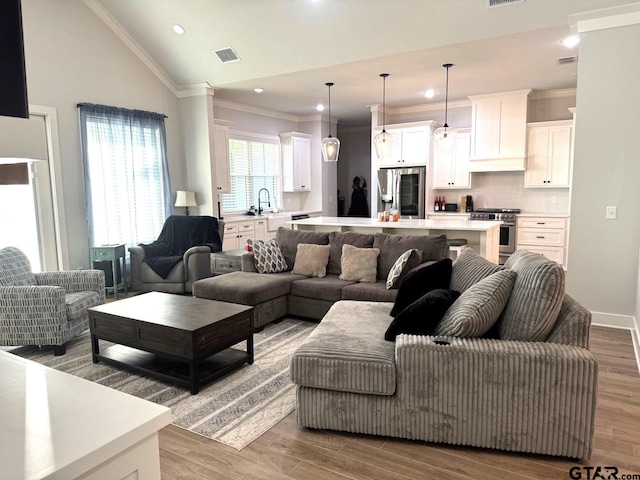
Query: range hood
[499, 131]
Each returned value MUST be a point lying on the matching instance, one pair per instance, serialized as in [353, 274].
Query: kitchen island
[482, 236]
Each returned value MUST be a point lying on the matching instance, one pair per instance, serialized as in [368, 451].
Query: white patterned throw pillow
[405, 262]
[267, 256]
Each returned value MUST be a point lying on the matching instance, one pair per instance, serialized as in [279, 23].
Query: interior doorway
[28, 209]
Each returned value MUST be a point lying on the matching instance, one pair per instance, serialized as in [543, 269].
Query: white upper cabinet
[454, 172]
[549, 153]
[296, 162]
[221, 159]
[411, 147]
[499, 131]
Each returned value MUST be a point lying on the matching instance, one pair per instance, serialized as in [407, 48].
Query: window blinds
[254, 164]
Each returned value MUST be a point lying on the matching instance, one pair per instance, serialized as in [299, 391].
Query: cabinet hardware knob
[539, 236]
[541, 223]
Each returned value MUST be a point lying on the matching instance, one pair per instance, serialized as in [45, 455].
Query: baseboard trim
[612, 320]
[625, 322]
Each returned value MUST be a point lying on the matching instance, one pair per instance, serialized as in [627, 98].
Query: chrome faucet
[268, 200]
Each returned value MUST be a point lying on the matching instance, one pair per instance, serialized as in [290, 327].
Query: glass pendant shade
[330, 145]
[385, 144]
[330, 149]
[445, 143]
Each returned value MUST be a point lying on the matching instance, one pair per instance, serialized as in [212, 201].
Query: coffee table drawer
[112, 328]
[163, 340]
[214, 336]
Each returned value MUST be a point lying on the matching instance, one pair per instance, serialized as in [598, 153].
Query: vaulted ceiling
[290, 48]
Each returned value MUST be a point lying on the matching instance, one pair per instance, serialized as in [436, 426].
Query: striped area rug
[234, 410]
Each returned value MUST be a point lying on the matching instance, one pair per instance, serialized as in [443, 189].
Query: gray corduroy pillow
[535, 302]
[478, 308]
[469, 268]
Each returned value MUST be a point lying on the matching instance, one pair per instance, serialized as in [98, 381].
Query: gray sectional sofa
[274, 295]
[508, 393]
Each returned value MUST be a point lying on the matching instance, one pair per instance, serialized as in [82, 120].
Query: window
[126, 174]
[254, 164]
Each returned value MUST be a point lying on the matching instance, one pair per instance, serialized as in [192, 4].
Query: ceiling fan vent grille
[567, 60]
[227, 55]
[502, 3]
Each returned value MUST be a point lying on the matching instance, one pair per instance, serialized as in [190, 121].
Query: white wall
[603, 254]
[72, 57]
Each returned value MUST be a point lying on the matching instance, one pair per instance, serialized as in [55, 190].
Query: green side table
[113, 254]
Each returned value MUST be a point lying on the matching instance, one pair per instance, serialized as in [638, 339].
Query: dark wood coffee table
[179, 339]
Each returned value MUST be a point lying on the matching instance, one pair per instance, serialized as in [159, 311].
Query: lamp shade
[330, 149]
[386, 145]
[184, 198]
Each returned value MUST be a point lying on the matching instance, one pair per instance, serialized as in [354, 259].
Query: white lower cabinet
[544, 235]
[236, 234]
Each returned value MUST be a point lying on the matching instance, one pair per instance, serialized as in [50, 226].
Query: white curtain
[126, 174]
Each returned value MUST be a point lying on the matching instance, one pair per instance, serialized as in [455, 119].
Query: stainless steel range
[508, 217]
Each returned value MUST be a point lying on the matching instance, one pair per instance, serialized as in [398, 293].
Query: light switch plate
[612, 213]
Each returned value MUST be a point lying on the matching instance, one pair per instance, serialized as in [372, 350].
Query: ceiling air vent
[227, 55]
[566, 60]
[502, 3]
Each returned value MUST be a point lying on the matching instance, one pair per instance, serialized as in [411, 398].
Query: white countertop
[418, 224]
[241, 218]
[550, 215]
[58, 426]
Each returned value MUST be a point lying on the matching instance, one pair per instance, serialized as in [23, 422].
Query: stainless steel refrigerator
[402, 189]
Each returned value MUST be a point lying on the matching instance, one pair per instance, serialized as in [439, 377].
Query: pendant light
[445, 138]
[330, 145]
[384, 141]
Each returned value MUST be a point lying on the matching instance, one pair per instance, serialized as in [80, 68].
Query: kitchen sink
[277, 220]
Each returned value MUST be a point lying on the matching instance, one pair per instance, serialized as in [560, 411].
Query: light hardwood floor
[288, 451]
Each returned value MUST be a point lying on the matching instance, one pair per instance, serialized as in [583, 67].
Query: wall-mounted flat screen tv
[13, 78]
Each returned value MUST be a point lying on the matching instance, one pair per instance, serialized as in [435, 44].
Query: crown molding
[255, 110]
[613, 17]
[559, 93]
[195, 90]
[137, 50]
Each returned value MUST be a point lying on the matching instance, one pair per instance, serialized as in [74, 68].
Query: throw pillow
[423, 315]
[311, 260]
[337, 240]
[432, 247]
[359, 264]
[536, 299]
[267, 256]
[478, 308]
[469, 268]
[404, 263]
[421, 280]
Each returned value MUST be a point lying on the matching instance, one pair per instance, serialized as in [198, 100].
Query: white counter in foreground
[57, 426]
[482, 236]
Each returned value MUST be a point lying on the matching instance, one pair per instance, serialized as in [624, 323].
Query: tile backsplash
[506, 190]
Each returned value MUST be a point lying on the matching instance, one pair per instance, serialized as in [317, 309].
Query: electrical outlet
[330, 198]
[612, 213]
[554, 199]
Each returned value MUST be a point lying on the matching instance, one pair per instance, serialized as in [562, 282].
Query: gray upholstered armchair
[46, 308]
[180, 256]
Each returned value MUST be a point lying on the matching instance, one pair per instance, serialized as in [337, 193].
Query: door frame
[58, 223]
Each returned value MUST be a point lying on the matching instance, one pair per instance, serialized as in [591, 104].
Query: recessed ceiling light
[258, 90]
[571, 41]
[179, 29]
[320, 107]
[430, 93]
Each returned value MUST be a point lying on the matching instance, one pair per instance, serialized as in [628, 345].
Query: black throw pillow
[420, 281]
[423, 315]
